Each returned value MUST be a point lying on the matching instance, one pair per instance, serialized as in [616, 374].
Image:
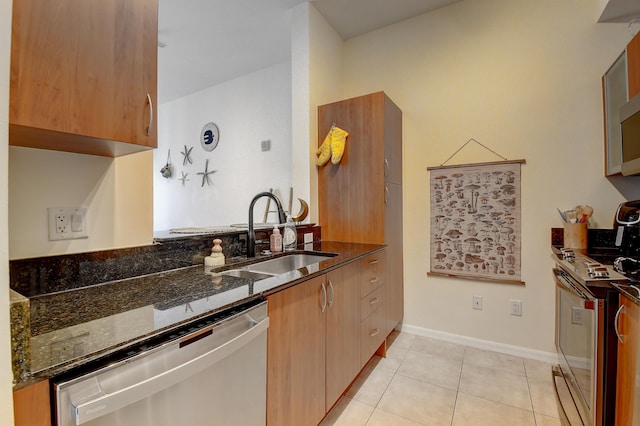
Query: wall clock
[210, 136]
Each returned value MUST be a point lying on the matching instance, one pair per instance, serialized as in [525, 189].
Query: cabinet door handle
[374, 332]
[386, 195]
[386, 167]
[373, 280]
[333, 295]
[374, 301]
[150, 114]
[324, 303]
[615, 324]
[373, 262]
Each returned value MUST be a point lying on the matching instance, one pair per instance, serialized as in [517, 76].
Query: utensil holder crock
[575, 235]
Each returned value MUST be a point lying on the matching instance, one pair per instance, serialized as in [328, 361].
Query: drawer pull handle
[324, 303]
[374, 301]
[374, 332]
[374, 280]
[333, 294]
[150, 114]
[373, 262]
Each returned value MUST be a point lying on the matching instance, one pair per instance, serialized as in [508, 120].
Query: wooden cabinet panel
[295, 355]
[82, 75]
[342, 332]
[372, 333]
[360, 200]
[394, 253]
[313, 354]
[627, 393]
[371, 301]
[31, 405]
[392, 142]
[351, 193]
[372, 272]
[633, 66]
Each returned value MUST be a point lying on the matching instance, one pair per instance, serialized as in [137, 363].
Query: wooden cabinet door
[342, 331]
[627, 393]
[351, 194]
[392, 142]
[296, 355]
[633, 66]
[84, 68]
[31, 405]
[394, 253]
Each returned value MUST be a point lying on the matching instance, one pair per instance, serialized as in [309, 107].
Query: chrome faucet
[251, 240]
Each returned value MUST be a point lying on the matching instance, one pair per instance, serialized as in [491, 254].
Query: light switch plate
[67, 223]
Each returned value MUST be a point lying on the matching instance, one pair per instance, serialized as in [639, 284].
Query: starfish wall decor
[187, 156]
[184, 178]
[206, 173]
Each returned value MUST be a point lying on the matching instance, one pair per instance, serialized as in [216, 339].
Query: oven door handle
[564, 281]
[555, 375]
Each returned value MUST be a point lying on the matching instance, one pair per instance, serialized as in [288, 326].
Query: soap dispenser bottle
[275, 240]
[290, 237]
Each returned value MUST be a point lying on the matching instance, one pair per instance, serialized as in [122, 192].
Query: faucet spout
[251, 240]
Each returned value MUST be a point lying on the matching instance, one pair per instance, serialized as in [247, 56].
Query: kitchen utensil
[587, 211]
[578, 211]
[571, 216]
[562, 215]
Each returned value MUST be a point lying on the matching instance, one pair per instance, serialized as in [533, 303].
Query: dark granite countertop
[73, 327]
[632, 292]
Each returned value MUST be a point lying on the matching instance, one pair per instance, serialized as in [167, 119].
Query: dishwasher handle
[107, 403]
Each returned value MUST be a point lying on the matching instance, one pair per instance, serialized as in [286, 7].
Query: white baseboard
[550, 357]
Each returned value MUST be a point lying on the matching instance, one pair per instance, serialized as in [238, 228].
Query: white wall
[523, 78]
[6, 374]
[117, 193]
[247, 110]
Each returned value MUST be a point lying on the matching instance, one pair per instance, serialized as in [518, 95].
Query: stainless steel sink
[284, 264]
[243, 273]
[279, 265]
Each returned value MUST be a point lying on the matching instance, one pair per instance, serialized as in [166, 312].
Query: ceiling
[207, 42]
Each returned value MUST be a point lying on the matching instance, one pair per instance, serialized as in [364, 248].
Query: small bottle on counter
[275, 240]
[216, 258]
[290, 237]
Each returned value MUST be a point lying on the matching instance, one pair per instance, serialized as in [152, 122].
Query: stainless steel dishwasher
[215, 375]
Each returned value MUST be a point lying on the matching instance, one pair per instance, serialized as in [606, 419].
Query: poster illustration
[475, 221]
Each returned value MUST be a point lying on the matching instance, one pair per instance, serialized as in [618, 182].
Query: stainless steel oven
[580, 319]
[586, 302]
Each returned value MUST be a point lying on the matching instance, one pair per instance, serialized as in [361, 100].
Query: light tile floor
[430, 382]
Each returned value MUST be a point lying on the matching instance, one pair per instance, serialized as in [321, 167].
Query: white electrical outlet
[477, 302]
[516, 308]
[577, 315]
[67, 223]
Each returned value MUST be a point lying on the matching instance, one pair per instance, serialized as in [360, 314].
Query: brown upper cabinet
[360, 199]
[620, 83]
[84, 76]
[633, 66]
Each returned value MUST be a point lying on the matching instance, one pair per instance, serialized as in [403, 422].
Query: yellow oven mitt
[324, 152]
[338, 142]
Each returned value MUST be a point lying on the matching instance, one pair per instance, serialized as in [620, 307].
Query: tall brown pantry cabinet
[360, 199]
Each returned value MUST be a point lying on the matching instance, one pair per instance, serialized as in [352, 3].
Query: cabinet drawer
[372, 272]
[371, 302]
[372, 333]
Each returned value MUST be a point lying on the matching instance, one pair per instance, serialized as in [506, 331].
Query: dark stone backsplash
[51, 274]
[599, 241]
